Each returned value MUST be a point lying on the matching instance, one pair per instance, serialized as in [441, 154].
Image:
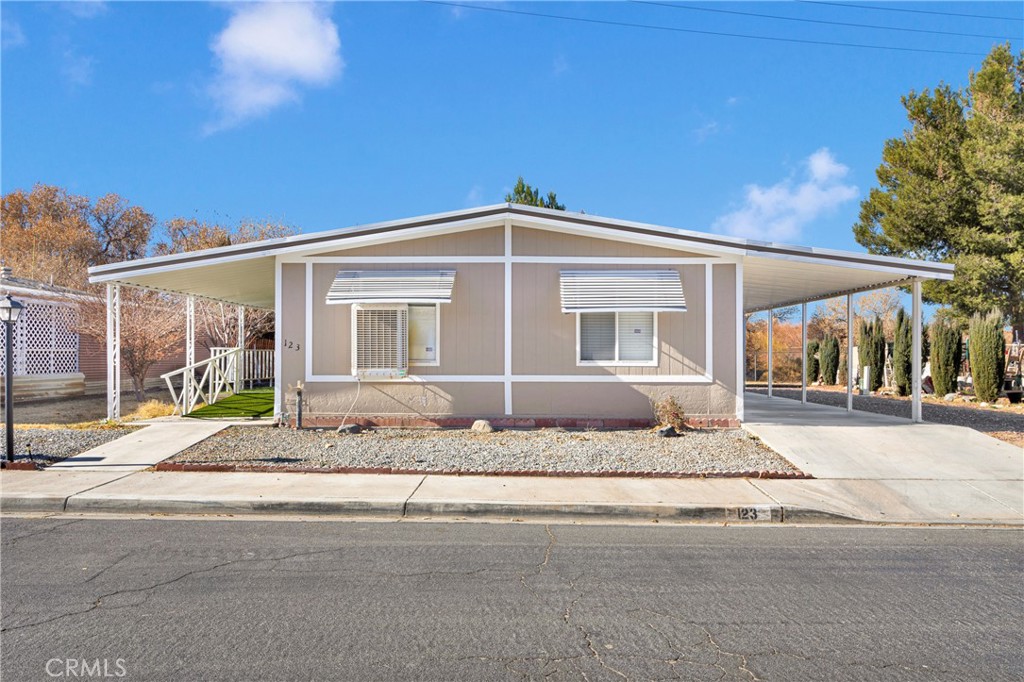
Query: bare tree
[151, 330]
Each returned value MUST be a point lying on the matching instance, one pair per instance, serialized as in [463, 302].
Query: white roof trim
[599, 291]
[391, 286]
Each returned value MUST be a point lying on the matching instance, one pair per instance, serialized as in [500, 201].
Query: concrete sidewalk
[498, 497]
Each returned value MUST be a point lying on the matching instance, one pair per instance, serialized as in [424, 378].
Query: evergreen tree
[902, 350]
[988, 354]
[812, 361]
[829, 359]
[523, 193]
[945, 355]
[952, 188]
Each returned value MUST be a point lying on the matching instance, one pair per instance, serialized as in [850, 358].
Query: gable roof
[244, 272]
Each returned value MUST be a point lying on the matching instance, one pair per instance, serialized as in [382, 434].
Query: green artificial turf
[258, 402]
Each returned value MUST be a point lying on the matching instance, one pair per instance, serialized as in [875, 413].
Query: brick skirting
[314, 421]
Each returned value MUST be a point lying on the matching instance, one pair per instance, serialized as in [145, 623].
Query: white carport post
[190, 352]
[771, 323]
[803, 352]
[915, 391]
[113, 352]
[849, 352]
[240, 356]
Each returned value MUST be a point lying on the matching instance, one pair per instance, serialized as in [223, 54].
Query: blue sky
[332, 115]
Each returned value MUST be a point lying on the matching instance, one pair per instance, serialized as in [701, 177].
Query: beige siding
[293, 325]
[471, 337]
[486, 242]
[544, 341]
[381, 399]
[723, 398]
[532, 242]
[617, 400]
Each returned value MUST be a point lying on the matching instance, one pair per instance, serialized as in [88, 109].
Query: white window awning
[392, 286]
[594, 291]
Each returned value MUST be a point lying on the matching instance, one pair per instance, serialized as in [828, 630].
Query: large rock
[667, 432]
[482, 426]
[350, 429]
[949, 397]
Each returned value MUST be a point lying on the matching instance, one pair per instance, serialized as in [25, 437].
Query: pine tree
[988, 353]
[829, 359]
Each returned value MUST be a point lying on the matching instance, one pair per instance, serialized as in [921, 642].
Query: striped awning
[595, 291]
[392, 286]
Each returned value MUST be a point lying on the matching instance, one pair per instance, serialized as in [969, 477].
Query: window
[423, 336]
[389, 338]
[622, 338]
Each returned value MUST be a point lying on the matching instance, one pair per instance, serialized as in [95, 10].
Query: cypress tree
[945, 356]
[902, 349]
[829, 362]
[812, 362]
[877, 354]
[988, 349]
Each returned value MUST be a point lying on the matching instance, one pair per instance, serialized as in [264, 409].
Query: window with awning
[392, 286]
[610, 291]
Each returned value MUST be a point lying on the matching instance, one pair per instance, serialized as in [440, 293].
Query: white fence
[44, 342]
[226, 371]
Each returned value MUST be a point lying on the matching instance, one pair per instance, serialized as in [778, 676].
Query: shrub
[902, 351]
[987, 349]
[812, 361]
[151, 409]
[871, 351]
[668, 412]
[945, 355]
[829, 359]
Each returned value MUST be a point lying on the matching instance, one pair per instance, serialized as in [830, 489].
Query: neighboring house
[51, 359]
[527, 315]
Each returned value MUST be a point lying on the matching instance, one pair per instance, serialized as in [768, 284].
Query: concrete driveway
[893, 469]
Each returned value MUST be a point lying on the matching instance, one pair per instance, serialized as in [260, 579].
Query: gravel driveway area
[503, 451]
[1008, 426]
[53, 445]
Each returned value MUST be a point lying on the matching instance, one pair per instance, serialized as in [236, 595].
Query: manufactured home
[521, 314]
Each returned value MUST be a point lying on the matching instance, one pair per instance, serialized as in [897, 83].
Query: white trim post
[915, 355]
[741, 343]
[240, 356]
[190, 353]
[278, 331]
[507, 304]
[849, 352]
[771, 323]
[803, 353]
[113, 352]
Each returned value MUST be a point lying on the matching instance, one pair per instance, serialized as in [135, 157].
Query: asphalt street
[173, 599]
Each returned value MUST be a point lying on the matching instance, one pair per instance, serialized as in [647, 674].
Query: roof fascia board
[924, 269]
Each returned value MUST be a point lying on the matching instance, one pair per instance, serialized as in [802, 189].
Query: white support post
[278, 335]
[741, 343]
[507, 306]
[849, 352]
[190, 353]
[803, 353]
[113, 352]
[240, 356]
[915, 391]
[771, 358]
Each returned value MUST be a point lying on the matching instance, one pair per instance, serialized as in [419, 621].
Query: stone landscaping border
[216, 467]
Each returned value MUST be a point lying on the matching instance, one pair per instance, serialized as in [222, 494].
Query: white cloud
[732, 101]
[780, 212]
[475, 196]
[84, 9]
[11, 34]
[265, 53]
[707, 130]
[76, 68]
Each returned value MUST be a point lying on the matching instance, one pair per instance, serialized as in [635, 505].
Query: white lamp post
[10, 310]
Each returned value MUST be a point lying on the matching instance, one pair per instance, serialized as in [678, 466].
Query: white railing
[216, 378]
[226, 371]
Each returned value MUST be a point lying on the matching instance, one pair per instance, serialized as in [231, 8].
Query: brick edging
[214, 467]
[20, 466]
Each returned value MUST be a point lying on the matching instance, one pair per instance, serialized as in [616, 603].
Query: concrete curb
[32, 502]
[762, 513]
[93, 504]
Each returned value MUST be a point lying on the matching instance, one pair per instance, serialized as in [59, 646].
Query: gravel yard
[503, 451]
[53, 445]
[1004, 423]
